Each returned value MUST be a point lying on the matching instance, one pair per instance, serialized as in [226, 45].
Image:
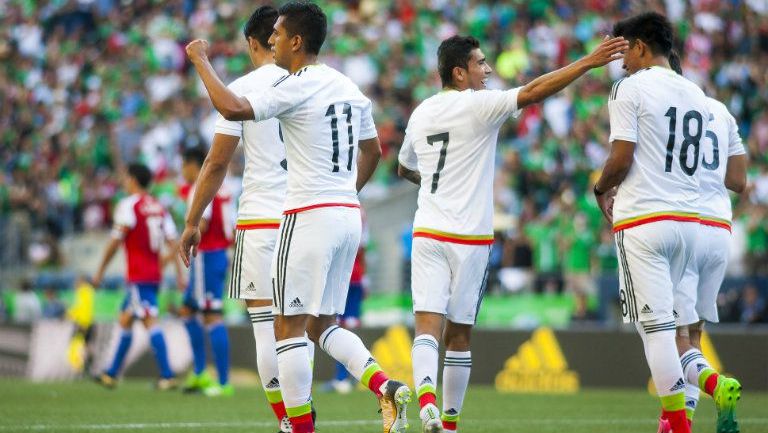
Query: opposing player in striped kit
[332, 150]
[260, 206]
[449, 150]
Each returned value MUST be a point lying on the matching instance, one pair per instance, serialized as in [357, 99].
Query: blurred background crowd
[91, 84]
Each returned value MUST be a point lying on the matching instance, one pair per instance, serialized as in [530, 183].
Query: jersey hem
[257, 224]
[715, 222]
[441, 236]
[320, 205]
[654, 217]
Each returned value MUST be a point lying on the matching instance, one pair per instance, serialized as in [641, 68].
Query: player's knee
[318, 325]
[457, 337]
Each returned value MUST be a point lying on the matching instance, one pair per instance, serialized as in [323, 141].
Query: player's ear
[459, 74]
[297, 42]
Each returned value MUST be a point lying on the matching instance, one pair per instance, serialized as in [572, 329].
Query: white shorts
[652, 260]
[311, 269]
[703, 277]
[449, 278]
[251, 264]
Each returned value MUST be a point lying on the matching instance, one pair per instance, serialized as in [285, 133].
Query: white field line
[342, 423]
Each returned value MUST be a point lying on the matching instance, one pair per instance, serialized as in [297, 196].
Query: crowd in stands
[91, 84]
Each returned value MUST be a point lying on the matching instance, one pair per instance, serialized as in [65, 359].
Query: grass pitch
[135, 407]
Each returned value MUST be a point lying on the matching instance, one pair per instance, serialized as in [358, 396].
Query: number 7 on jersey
[431, 140]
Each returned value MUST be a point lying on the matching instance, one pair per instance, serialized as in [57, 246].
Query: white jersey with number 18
[666, 116]
[451, 142]
[323, 115]
[264, 178]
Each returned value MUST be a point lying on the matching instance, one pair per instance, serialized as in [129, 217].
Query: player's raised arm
[231, 106]
[208, 183]
[610, 49]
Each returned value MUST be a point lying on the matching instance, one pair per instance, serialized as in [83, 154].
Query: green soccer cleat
[216, 390]
[727, 394]
[197, 382]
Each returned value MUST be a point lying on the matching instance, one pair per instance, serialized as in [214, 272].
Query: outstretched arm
[231, 106]
[553, 82]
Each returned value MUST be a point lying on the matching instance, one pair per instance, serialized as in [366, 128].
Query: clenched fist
[197, 50]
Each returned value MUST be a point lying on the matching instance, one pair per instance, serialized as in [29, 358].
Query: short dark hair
[454, 52]
[141, 173]
[650, 27]
[261, 24]
[674, 62]
[194, 154]
[306, 20]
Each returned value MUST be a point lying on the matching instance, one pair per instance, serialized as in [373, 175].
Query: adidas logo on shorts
[679, 385]
[646, 309]
[296, 303]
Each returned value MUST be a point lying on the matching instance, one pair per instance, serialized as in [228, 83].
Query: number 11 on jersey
[431, 140]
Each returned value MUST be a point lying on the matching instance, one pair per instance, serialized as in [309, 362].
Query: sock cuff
[261, 314]
[304, 409]
[274, 396]
[454, 417]
[288, 344]
[691, 356]
[426, 388]
[426, 340]
[327, 333]
[464, 360]
[454, 354]
[372, 368]
[673, 403]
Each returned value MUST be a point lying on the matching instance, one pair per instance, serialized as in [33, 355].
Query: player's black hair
[195, 154]
[650, 27]
[674, 62]
[260, 25]
[141, 173]
[454, 52]
[306, 20]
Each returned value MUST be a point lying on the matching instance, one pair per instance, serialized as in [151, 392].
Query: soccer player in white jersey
[449, 150]
[649, 191]
[723, 167]
[332, 150]
[260, 207]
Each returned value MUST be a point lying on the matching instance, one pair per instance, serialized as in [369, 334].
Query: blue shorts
[141, 300]
[206, 281]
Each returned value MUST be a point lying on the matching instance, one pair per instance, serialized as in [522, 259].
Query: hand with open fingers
[197, 49]
[610, 49]
[190, 239]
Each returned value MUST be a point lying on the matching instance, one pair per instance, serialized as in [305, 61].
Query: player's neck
[261, 58]
[659, 61]
[301, 61]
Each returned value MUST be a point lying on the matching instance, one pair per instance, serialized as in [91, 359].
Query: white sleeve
[123, 219]
[407, 156]
[169, 227]
[228, 127]
[285, 94]
[367, 127]
[735, 145]
[495, 106]
[623, 111]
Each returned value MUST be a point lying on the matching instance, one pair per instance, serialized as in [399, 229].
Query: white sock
[693, 363]
[311, 348]
[661, 354]
[691, 399]
[263, 323]
[295, 375]
[456, 369]
[347, 348]
[425, 358]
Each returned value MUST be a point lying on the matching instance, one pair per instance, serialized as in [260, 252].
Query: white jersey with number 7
[451, 142]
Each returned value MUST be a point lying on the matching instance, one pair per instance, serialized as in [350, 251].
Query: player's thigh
[685, 298]
[715, 248]
[430, 276]
[305, 249]
[469, 270]
[645, 281]
[251, 264]
[349, 226]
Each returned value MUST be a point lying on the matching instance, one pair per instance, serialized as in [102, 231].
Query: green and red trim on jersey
[715, 222]
[320, 205]
[654, 217]
[257, 224]
[423, 232]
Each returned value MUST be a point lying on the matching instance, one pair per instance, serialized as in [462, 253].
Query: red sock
[279, 410]
[427, 398]
[303, 424]
[376, 381]
[450, 425]
[677, 420]
[711, 384]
